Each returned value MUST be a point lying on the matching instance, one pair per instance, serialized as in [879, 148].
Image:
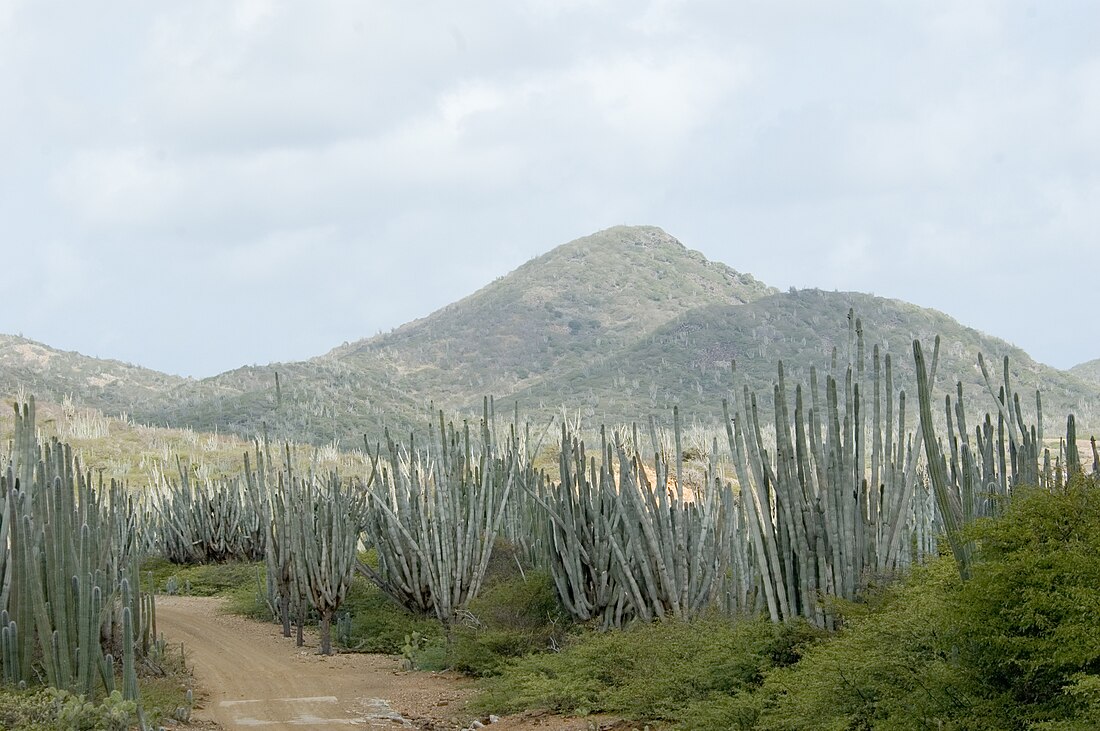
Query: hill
[556, 313]
[53, 375]
[597, 294]
[687, 361]
[1089, 371]
[614, 326]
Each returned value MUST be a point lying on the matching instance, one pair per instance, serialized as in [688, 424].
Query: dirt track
[250, 676]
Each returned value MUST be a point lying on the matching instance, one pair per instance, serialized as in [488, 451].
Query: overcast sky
[195, 186]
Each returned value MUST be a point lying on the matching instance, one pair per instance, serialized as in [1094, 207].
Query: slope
[555, 313]
[1088, 371]
[53, 375]
[687, 362]
[595, 294]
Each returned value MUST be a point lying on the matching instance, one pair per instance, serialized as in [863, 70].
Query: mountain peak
[623, 235]
[557, 310]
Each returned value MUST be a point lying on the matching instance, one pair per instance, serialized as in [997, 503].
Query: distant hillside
[1089, 372]
[594, 295]
[319, 401]
[614, 326]
[687, 362]
[52, 374]
[569, 307]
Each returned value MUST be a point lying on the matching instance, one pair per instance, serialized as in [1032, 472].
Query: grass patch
[214, 579]
[164, 688]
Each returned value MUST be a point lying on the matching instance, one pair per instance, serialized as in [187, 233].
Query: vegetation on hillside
[53, 375]
[687, 361]
[614, 327]
[1088, 371]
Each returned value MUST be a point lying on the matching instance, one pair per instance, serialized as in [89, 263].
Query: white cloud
[279, 258]
[114, 187]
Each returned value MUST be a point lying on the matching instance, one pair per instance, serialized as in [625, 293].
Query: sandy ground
[250, 676]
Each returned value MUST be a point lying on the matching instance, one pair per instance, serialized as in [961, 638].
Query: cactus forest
[811, 493]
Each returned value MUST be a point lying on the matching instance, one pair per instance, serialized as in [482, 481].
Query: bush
[659, 671]
[892, 666]
[32, 710]
[1015, 647]
[376, 623]
[200, 579]
[76, 713]
[513, 617]
[1031, 613]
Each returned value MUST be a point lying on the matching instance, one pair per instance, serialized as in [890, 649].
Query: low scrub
[512, 617]
[657, 671]
[1014, 647]
[371, 621]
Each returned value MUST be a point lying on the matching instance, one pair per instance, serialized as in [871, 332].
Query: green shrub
[32, 710]
[1015, 647]
[655, 671]
[200, 579]
[376, 623]
[76, 713]
[892, 666]
[512, 617]
[1030, 615]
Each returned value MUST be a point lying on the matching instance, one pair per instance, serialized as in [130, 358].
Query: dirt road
[253, 677]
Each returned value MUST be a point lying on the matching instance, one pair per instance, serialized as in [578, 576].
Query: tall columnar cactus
[671, 548]
[434, 514]
[581, 513]
[949, 501]
[278, 511]
[839, 498]
[212, 520]
[625, 546]
[973, 477]
[6, 508]
[325, 527]
[68, 545]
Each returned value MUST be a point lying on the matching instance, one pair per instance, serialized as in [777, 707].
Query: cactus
[129, 672]
[283, 593]
[433, 516]
[216, 520]
[68, 545]
[822, 513]
[626, 547]
[972, 479]
[948, 501]
[325, 532]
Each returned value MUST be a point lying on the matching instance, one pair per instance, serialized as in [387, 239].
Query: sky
[197, 186]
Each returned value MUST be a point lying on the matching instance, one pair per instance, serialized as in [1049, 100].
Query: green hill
[53, 375]
[597, 294]
[614, 326]
[1089, 371]
[556, 313]
[687, 361]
